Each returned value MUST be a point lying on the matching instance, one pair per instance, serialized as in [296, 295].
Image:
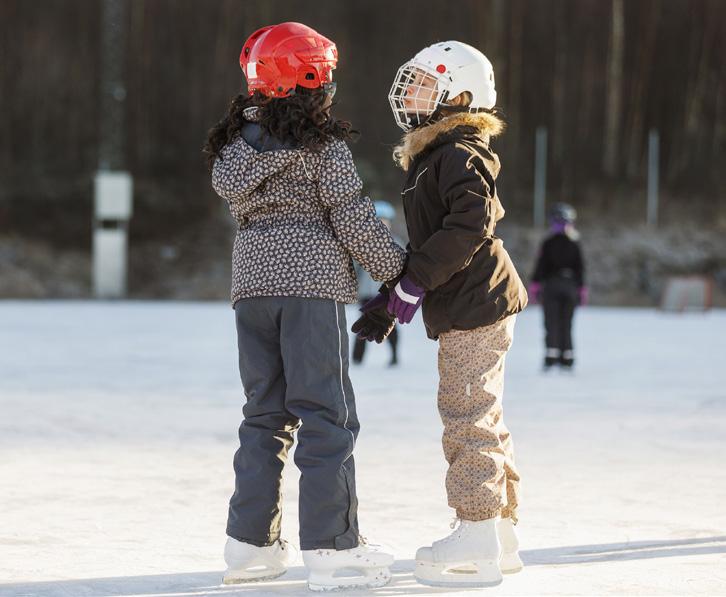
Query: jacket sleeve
[238, 172]
[467, 189]
[540, 269]
[353, 217]
[579, 266]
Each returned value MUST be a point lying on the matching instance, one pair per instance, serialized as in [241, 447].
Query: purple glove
[405, 299]
[534, 291]
[583, 295]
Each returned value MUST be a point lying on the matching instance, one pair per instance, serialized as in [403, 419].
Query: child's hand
[405, 299]
[534, 291]
[374, 325]
[378, 301]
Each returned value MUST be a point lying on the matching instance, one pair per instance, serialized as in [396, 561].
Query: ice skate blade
[510, 563]
[238, 577]
[472, 573]
[370, 578]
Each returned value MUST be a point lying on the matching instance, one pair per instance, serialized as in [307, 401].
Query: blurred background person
[558, 283]
[368, 288]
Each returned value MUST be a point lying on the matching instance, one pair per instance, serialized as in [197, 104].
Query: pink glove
[534, 291]
[584, 296]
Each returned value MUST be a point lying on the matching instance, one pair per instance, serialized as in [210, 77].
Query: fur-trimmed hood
[483, 124]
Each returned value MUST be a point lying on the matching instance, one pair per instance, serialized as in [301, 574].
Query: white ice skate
[363, 567]
[509, 562]
[250, 563]
[469, 557]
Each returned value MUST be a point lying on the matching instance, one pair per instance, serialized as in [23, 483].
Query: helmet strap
[465, 109]
[442, 108]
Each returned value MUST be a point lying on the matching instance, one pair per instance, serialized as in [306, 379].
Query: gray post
[653, 172]
[540, 176]
[113, 188]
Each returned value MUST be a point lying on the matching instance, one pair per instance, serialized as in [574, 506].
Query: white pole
[113, 193]
[540, 176]
[653, 173]
[113, 186]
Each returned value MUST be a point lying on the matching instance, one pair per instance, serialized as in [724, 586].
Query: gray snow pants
[293, 361]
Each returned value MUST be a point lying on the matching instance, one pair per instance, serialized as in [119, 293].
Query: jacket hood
[248, 167]
[481, 124]
[260, 140]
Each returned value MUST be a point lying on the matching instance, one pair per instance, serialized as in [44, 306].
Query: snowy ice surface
[118, 426]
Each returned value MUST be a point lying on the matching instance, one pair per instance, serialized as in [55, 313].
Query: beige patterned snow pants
[482, 481]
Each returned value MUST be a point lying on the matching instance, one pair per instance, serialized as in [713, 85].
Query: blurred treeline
[598, 73]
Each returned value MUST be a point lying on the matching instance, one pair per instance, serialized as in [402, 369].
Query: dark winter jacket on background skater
[286, 198]
[452, 208]
[560, 257]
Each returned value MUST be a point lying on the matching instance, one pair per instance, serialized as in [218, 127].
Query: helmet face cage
[422, 88]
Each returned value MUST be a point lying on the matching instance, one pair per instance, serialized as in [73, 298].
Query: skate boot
[552, 358]
[567, 361]
[363, 567]
[469, 557]
[509, 562]
[250, 563]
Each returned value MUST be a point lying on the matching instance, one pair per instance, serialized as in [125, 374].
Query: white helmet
[435, 75]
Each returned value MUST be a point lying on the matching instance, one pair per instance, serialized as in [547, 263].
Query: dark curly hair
[301, 118]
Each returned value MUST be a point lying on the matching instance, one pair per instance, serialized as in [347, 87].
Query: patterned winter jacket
[301, 218]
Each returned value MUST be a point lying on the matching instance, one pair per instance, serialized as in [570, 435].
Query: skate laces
[458, 526]
[367, 545]
[452, 525]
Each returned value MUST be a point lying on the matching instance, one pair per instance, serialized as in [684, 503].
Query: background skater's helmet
[385, 210]
[277, 58]
[456, 67]
[562, 213]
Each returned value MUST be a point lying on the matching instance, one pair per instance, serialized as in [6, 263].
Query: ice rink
[118, 423]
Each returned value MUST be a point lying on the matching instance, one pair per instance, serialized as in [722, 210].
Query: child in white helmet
[470, 291]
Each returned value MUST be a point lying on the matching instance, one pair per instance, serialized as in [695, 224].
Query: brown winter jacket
[451, 206]
[300, 220]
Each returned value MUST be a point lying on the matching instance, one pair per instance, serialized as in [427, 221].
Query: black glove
[376, 323]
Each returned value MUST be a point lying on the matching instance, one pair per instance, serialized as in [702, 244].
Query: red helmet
[277, 58]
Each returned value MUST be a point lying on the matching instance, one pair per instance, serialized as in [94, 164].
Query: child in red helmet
[280, 160]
